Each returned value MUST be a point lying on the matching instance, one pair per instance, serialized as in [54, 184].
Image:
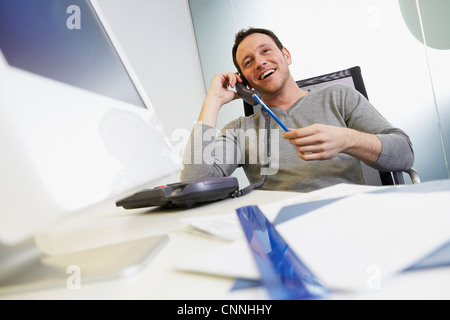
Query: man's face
[263, 64]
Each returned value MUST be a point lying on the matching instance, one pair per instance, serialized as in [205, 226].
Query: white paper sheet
[231, 260]
[348, 243]
[227, 226]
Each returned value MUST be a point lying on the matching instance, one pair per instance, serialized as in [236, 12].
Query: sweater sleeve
[209, 154]
[397, 152]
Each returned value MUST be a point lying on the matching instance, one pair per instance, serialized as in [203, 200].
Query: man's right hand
[218, 95]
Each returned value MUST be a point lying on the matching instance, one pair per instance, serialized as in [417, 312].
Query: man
[331, 130]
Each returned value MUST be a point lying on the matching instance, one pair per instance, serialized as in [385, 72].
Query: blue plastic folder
[283, 274]
[252, 220]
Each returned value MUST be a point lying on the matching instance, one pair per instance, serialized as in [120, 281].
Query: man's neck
[286, 97]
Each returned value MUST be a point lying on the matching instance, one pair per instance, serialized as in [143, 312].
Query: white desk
[160, 279]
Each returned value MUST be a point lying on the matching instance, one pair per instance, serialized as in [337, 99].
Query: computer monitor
[76, 127]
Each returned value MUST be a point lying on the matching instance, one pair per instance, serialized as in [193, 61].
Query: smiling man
[331, 129]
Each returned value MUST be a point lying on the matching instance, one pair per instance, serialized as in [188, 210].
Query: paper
[352, 243]
[225, 226]
[369, 237]
[232, 260]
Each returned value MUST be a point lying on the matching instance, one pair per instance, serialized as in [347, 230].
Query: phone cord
[257, 185]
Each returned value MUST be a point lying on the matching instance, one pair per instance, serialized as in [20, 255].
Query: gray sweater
[243, 142]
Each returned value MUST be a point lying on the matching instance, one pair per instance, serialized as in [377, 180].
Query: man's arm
[203, 157]
[368, 136]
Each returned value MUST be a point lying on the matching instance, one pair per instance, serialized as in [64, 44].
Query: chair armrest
[398, 177]
[414, 175]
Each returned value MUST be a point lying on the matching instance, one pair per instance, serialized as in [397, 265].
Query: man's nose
[260, 62]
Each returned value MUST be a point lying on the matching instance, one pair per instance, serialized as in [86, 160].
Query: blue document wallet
[183, 194]
[283, 274]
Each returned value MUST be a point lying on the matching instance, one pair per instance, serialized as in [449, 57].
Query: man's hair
[241, 35]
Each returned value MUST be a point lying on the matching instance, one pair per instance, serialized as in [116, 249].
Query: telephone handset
[247, 94]
[253, 97]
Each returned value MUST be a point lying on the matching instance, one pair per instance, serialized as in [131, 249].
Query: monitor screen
[76, 128]
[64, 40]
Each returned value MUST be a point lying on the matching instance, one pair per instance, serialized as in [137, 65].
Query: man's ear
[287, 55]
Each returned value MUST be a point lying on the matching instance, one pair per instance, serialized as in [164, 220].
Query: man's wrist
[364, 146]
[210, 111]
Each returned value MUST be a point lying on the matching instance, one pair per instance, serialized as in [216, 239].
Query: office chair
[352, 77]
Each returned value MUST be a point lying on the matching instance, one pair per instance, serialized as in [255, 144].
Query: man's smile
[266, 74]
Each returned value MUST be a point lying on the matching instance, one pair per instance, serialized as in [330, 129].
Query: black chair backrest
[352, 77]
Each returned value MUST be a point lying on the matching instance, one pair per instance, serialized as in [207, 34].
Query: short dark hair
[241, 35]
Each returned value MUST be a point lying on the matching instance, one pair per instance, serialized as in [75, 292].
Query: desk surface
[160, 279]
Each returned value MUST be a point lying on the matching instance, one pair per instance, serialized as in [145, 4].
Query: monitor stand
[24, 267]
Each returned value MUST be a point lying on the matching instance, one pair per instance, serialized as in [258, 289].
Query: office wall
[428, 22]
[328, 35]
[158, 39]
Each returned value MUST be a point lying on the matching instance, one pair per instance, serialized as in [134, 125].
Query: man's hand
[219, 87]
[218, 95]
[321, 142]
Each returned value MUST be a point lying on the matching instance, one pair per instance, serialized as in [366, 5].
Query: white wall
[158, 39]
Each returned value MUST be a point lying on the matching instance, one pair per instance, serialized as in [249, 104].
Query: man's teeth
[265, 74]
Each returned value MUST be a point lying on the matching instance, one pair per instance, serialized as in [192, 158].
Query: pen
[270, 112]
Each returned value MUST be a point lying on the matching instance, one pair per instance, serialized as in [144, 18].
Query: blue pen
[269, 111]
